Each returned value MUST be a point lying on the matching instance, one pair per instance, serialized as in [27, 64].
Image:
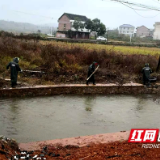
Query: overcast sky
[112, 14]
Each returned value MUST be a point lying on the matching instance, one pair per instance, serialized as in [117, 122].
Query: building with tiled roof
[143, 31]
[126, 25]
[74, 17]
[66, 29]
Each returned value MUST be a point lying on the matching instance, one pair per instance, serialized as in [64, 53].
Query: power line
[135, 8]
[138, 13]
[156, 1]
[30, 13]
[146, 17]
[139, 5]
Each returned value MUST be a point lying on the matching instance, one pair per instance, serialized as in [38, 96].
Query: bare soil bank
[117, 150]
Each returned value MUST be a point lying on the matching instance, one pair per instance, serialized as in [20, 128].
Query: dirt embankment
[121, 150]
[8, 148]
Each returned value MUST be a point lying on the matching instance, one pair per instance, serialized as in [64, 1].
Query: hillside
[19, 27]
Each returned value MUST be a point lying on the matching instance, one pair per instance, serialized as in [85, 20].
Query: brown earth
[117, 150]
[7, 84]
[8, 148]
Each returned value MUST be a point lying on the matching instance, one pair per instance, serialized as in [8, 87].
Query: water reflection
[14, 106]
[144, 101]
[89, 102]
[141, 104]
[49, 118]
[13, 117]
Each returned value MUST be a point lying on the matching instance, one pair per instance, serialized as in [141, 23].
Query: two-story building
[66, 29]
[156, 32]
[126, 29]
[143, 31]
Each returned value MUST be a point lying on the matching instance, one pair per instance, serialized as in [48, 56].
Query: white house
[126, 29]
[156, 32]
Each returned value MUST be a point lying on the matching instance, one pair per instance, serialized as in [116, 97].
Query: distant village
[66, 29]
[65, 23]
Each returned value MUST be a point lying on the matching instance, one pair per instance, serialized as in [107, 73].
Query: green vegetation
[96, 25]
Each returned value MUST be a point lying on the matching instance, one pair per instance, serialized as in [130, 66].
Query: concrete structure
[66, 29]
[156, 32]
[79, 89]
[126, 29]
[143, 31]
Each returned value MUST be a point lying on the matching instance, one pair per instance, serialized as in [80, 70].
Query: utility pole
[130, 38]
[51, 30]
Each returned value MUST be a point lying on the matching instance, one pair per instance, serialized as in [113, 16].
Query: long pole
[33, 71]
[93, 73]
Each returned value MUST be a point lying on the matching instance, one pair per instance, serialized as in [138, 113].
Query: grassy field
[117, 49]
[68, 62]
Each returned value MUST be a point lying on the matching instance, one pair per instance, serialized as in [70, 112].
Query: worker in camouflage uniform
[146, 74]
[91, 69]
[14, 69]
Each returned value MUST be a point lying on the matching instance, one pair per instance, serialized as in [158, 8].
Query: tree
[81, 26]
[39, 31]
[89, 24]
[95, 25]
[78, 25]
[92, 25]
[102, 29]
[98, 27]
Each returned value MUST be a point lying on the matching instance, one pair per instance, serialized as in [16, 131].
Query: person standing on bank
[91, 69]
[14, 68]
[146, 74]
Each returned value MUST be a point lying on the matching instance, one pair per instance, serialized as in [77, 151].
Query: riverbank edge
[79, 89]
[80, 141]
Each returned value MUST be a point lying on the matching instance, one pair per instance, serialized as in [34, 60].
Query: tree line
[92, 25]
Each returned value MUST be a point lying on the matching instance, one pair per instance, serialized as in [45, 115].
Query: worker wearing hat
[14, 69]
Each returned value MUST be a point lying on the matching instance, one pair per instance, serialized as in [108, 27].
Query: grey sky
[112, 14]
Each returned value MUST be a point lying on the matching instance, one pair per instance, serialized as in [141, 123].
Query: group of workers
[14, 69]
[146, 71]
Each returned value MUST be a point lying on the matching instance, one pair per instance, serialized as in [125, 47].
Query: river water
[47, 118]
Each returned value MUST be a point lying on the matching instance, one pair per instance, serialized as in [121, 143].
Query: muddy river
[46, 118]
